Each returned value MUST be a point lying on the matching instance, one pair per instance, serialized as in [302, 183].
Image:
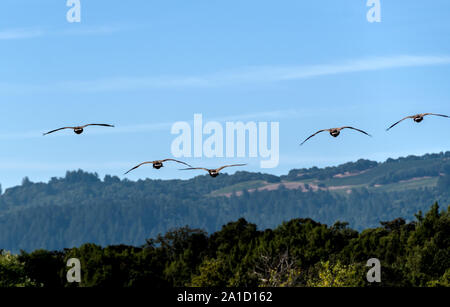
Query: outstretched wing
[225, 166]
[195, 168]
[314, 135]
[137, 166]
[103, 125]
[362, 131]
[441, 115]
[178, 161]
[399, 122]
[58, 130]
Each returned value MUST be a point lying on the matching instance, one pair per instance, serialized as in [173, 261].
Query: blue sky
[143, 65]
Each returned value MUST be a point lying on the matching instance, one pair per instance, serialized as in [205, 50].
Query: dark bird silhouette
[213, 172]
[334, 132]
[417, 118]
[157, 164]
[78, 129]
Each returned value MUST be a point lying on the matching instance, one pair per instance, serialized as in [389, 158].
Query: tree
[44, 268]
[335, 275]
[429, 247]
[213, 273]
[281, 271]
[12, 272]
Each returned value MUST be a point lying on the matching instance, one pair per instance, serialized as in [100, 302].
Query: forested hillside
[81, 208]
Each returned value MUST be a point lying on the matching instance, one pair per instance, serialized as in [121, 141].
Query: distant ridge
[82, 208]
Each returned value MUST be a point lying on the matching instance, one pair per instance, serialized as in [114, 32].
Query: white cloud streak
[10, 34]
[28, 33]
[251, 75]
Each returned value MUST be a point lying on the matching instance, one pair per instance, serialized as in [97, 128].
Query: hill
[80, 208]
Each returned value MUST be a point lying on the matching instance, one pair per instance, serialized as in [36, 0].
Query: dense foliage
[300, 252]
[81, 208]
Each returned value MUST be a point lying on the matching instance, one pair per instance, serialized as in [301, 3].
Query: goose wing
[362, 131]
[225, 166]
[139, 165]
[314, 135]
[195, 168]
[441, 115]
[58, 130]
[103, 125]
[178, 161]
[399, 122]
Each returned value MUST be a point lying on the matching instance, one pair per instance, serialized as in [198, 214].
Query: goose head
[335, 132]
[213, 173]
[418, 119]
[157, 165]
[78, 130]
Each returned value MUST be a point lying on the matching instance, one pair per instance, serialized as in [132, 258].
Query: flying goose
[334, 132]
[78, 129]
[417, 118]
[157, 164]
[213, 172]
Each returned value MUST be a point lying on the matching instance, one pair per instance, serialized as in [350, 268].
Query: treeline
[297, 253]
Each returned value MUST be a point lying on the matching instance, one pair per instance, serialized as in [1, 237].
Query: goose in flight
[157, 164]
[334, 132]
[213, 172]
[78, 129]
[417, 118]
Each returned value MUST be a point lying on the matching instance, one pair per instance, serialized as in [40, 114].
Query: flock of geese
[158, 164]
[336, 131]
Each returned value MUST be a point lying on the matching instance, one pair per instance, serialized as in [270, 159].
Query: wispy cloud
[96, 30]
[243, 76]
[9, 34]
[35, 32]
[353, 66]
